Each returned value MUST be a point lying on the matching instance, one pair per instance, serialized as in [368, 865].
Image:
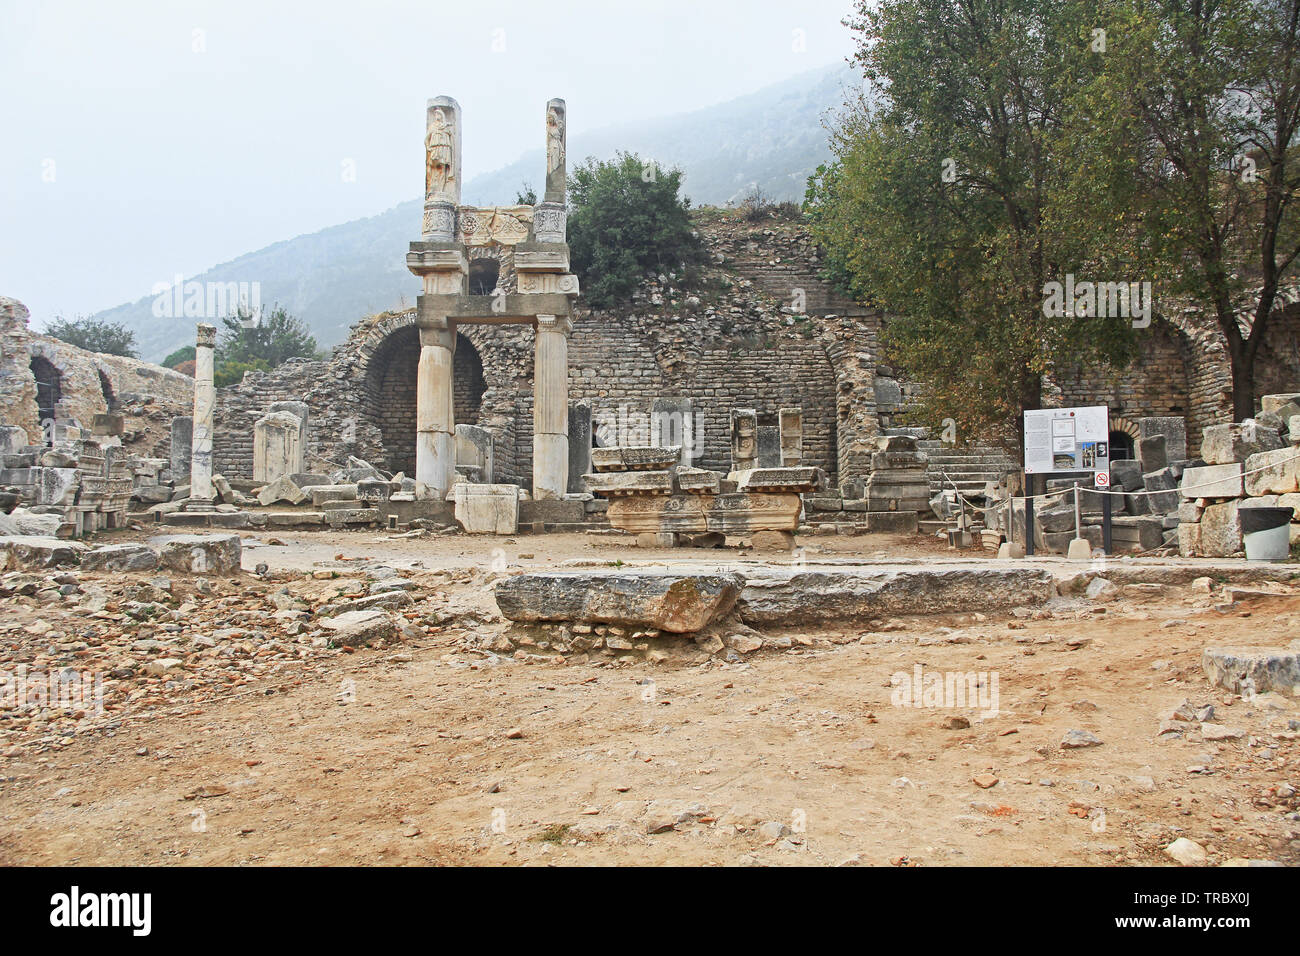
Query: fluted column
[551, 406]
[202, 495]
[435, 439]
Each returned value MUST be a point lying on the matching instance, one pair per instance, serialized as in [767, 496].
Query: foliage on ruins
[94, 335]
[1185, 140]
[259, 341]
[179, 357]
[941, 205]
[626, 221]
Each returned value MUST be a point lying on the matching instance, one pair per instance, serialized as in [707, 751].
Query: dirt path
[404, 754]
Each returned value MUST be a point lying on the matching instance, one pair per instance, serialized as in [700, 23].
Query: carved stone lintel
[539, 283]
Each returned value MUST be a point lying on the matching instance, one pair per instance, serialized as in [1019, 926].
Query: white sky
[170, 151]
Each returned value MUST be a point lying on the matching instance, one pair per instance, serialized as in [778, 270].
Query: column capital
[555, 323]
[206, 336]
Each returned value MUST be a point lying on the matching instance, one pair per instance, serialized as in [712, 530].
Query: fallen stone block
[282, 489]
[1260, 670]
[1220, 530]
[320, 494]
[339, 517]
[680, 603]
[779, 597]
[198, 553]
[33, 551]
[354, 628]
[120, 557]
[635, 458]
[487, 509]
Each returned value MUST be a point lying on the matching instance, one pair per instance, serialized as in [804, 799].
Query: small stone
[514, 733]
[1187, 852]
[1075, 739]
[984, 780]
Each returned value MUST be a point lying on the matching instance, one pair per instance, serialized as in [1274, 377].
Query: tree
[179, 357]
[1191, 146]
[941, 203]
[269, 338]
[94, 335]
[526, 195]
[625, 221]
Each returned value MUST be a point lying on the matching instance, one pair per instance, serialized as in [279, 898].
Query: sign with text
[1067, 439]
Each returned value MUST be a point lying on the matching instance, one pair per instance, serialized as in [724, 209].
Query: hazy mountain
[773, 139]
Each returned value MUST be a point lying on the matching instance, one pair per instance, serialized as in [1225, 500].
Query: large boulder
[679, 603]
[282, 489]
[198, 553]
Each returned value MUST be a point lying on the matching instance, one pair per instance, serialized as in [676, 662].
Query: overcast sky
[149, 138]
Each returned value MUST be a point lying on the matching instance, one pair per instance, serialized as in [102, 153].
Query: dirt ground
[425, 752]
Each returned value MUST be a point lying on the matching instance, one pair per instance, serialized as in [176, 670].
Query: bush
[94, 335]
[626, 221]
[179, 357]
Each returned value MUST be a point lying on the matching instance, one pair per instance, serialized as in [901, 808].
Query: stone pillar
[182, 446]
[441, 169]
[551, 406]
[435, 438]
[549, 219]
[579, 444]
[202, 495]
[791, 420]
[744, 439]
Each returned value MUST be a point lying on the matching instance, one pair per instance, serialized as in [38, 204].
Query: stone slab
[678, 603]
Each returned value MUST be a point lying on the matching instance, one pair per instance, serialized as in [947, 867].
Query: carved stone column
[202, 495]
[441, 169]
[551, 406]
[435, 438]
[549, 216]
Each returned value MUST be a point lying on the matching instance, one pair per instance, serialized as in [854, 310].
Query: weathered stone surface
[487, 509]
[353, 628]
[120, 557]
[1127, 474]
[1225, 444]
[339, 517]
[1172, 428]
[1212, 481]
[679, 603]
[23, 522]
[279, 445]
[320, 494]
[779, 597]
[281, 489]
[1268, 669]
[34, 551]
[198, 553]
[1280, 474]
[696, 480]
[784, 480]
[892, 522]
[1220, 530]
[618, 483]
[373, 489]
[683, 514]
[635, 458]
[1151, 453]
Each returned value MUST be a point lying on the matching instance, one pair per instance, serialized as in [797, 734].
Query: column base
[550, 466]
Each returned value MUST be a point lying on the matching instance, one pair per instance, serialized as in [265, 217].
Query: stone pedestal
[551, 407]
[202, 494]
[182, 443]
[279, 446]
[487, 509]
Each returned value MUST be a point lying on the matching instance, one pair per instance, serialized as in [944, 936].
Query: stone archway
[49, 390]
[390, 393]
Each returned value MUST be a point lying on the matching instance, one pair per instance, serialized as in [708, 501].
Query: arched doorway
[106, 386]
[390, 393]
[49, 392]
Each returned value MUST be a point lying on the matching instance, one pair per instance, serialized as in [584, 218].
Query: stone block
[33, 552]
[552, 511]
[1126, 473]
[13, 439]
[1280, 474]
[1151, 453]
[769, 446]
[1220, 530]
[1174, 430]
[791, 425]
[580, 443]
[371, 490]
[120, 557]
[341, 517]
[320, 494]
[1271, 403]
[892, 522]
[279, 446]
[744, 439]
[617, 483]
[476, 448]
[54, 486]
[672, 423]
[622, 458]
[1212, 481]
[487, 509]
[198, 553]
[677, 603]
[354, 628]
[1244, 670]
[784, 480]
[1225, 444]
[687, 480]
[1189, 539]
[281, 489]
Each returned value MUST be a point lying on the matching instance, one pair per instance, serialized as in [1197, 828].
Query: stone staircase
[969, 466]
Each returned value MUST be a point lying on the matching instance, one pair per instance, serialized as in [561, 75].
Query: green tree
[526, 195]
[180, 356]
[625, 221]
[1188, 143]
[94, 335]
[939, 206]
[272, 338]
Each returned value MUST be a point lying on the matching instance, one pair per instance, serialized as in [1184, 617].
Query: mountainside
[773, 139]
